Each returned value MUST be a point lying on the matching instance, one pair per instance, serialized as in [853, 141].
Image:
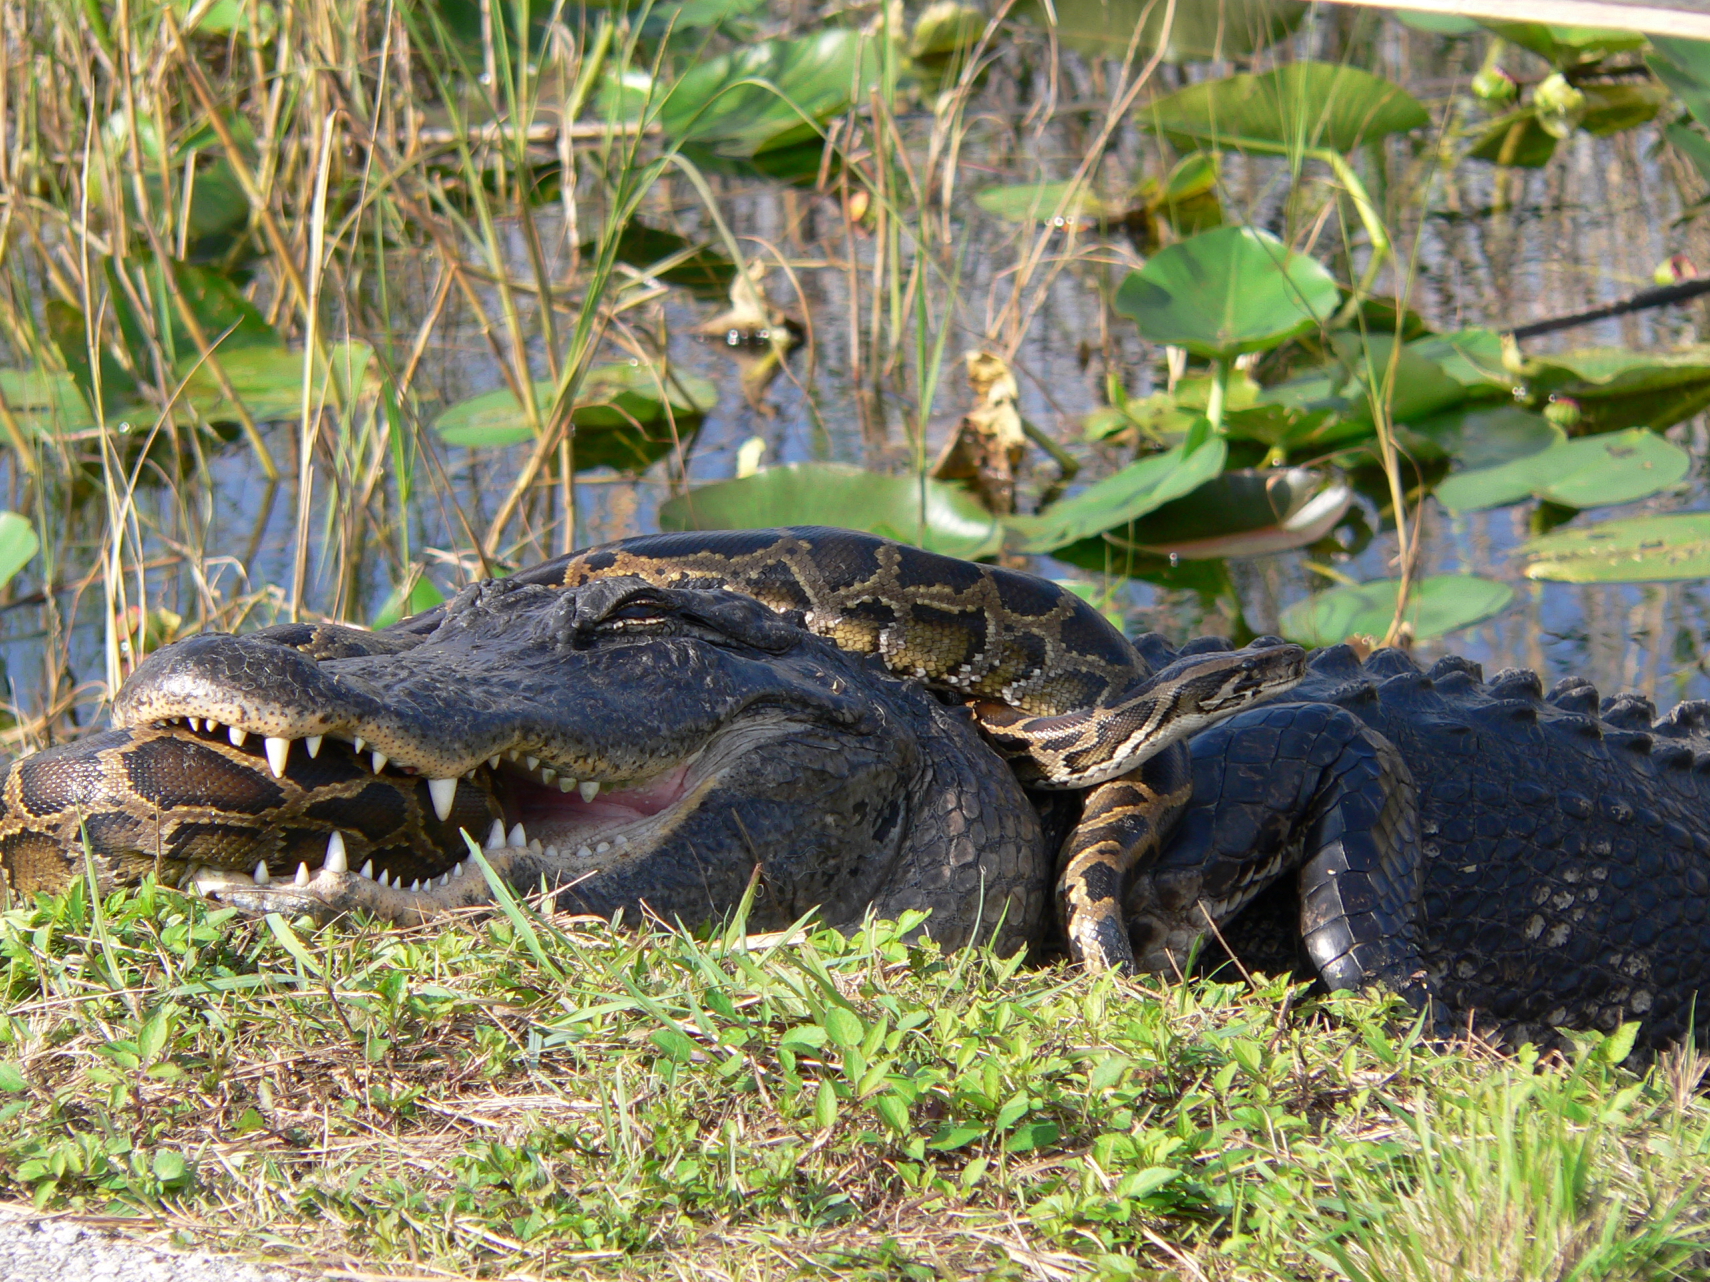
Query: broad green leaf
[1439, 604]
[1640, 549]
[423, 596]
[1567, 46]
[1442, 24]
[1037, 202]
[770, 94]
[949, 1138]
[1108, 28]
[1516, 139]
[843, 1027]
[1030, 1136]
[1301, 104]
[1413, 386]
[674, 1043]
[1593, 471]
[45, 401]
[67, 327]
[1228, 291]
[1485, 435]
[930, 514]
[1245, 512]
[1611, 108]
[269, 380]
[18, 543]
[1472, 357]
[12, 1080]
[1616, 387]
[893, 1111]
[944, 29]
[620, 416]
[1684, 66]
[1691, 144]
[1139, 488]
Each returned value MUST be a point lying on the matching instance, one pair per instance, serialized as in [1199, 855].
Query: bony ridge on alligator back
[609, 718]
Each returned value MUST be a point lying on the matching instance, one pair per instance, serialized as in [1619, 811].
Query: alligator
[826, 722]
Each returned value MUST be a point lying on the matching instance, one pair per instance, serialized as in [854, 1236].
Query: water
[1588, 229]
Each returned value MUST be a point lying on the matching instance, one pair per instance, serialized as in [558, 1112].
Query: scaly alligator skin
[1532, 861]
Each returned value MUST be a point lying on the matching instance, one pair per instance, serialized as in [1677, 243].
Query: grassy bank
[536, 1097]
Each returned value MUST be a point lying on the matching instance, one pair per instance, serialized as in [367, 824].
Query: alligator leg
[1123, 823]
[1303, 788]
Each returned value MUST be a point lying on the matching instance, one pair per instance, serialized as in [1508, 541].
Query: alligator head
[633, 747]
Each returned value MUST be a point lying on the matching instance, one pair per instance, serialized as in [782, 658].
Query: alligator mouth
[522, 811]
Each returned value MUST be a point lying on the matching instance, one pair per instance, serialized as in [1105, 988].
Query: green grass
[557, 1097]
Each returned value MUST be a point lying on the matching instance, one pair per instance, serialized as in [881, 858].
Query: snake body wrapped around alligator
[652, 727]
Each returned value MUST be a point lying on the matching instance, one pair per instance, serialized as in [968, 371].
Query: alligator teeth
[444, 878]
[518, 840]
[443, 792]
[548, 775]
[493, 762]
[236, 736]
[566, 784]
[534, 845]
[623, 840]
[533, 762]
[211, 726]
[302, 877]
[602, 847]
[357, 743]
[261, 874]
[496, 838]
[196, 724]
[278, 752]
[367, 869]
[379, 759]
[513, 754]
[313, 744]
[457, 869]
[589, 788]
[415, 886]
[551, 852]
[336, 860]
[582, 852]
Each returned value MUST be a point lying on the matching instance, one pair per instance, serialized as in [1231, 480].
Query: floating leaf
[1141, 487]
[700, 269]
[1439, 604]
[1617, 387]
[1246, 512]
[1442, 24]
[1567, 46]
[1301, 104]
[620, 416]
[45, 401]
[1471, 356]
[1227, 291]
[18, 543]
[1037, 202]
[930, 514]
[770, 94]
[1517, 139]
[269, 380]
[1640, 549]
[424, 595]
[1483, 436]
[1107, 28]
[1684, 66]
[1593, 471]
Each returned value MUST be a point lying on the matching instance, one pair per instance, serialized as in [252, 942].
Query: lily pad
[1037, 202]
[1567, 46]
[1684, 66]
[1438, 604]
[1593, 471]
[1301, 104]
[1617, 387]
[1245, 512]
[18, 543]
[927, 513]
[619, 416]
[1139, 488]
[1471, 356]
[1481, 436]
[1517, 139]
[1640, 549]
[771, 94]
[674, 259]
[1226, 29]
[269, 380]
[1227, 291]
[45, 401]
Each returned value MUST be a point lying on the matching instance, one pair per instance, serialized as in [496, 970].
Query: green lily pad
[1439, 604]
[1640, 549]
[1245, 512]
[1684, 66]
[927, 513]
[700, 269]
[269, 380]
[771, 94]
[1440, 24]
[1137, 489]
[45, 401]
[1226, 29]
[1593, 471]
[619, 416]
[1471, 356]
[1227, 291]
[18, 543]
[1036, 202]
[1301, 104]
[424, 595]
[1479, 436]
[1617, 387]
[1567, 46]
